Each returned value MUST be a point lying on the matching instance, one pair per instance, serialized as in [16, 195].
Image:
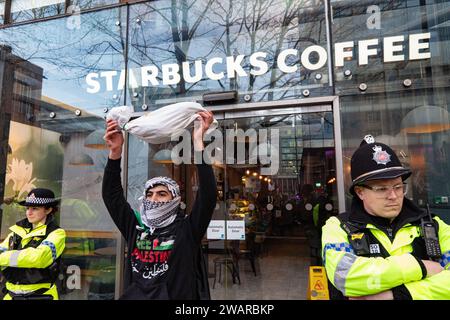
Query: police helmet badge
[380, 156]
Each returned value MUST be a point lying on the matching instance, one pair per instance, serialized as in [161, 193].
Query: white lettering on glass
[218, 68]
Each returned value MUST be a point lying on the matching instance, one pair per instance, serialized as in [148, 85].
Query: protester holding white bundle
[159, 126]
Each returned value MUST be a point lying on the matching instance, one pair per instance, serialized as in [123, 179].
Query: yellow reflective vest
[27, 254]
[355, 275]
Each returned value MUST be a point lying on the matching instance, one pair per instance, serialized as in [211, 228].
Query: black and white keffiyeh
[171, 184]
[160, 214]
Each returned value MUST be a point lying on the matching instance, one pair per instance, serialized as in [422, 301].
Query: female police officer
[376, 250]
[30, 254]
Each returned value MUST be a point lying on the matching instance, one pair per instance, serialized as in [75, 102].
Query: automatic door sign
[236, 230]
[216, 230]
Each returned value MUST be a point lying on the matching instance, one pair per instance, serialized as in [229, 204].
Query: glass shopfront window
[403, 102]
[52, 131]
[269, 50]
[146, 161]
[88, 4]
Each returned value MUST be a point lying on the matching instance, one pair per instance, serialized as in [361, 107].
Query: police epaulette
[350, 227]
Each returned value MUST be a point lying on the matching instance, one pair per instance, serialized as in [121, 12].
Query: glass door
[276, 188]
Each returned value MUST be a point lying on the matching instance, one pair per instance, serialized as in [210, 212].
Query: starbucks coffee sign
[218, 68]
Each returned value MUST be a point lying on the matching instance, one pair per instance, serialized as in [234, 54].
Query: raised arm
[205, 200]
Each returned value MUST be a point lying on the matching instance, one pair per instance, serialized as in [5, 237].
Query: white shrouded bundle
[160, 125]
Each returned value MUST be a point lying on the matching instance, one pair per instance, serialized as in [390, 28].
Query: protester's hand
[200, 126]
[384, 295]
[114, 139]
[432, 267]
[207, 118]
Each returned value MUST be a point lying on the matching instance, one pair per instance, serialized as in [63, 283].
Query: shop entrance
[276, 187]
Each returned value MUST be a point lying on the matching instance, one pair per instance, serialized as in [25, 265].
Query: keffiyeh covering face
[160, 214]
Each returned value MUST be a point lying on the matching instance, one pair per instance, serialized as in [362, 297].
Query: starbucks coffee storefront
[294, 85]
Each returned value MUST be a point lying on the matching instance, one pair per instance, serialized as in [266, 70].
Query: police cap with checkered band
[40, 197]
[373, 161]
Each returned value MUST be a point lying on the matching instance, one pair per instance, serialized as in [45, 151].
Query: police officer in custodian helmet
[377, 250]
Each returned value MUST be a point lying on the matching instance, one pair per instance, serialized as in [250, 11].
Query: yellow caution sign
[318, 284]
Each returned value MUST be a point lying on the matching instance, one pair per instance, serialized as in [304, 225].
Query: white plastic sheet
[160, 125]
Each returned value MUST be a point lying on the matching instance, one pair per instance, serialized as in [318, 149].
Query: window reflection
[66, 52]
[412, 119]
[201, 48]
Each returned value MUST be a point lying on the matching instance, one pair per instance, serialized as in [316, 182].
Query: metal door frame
[295, 106]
